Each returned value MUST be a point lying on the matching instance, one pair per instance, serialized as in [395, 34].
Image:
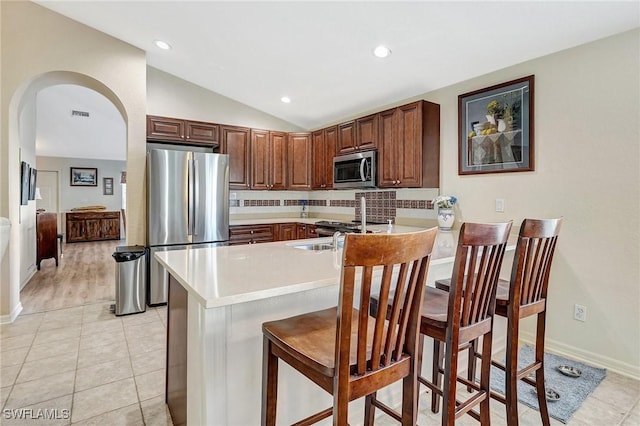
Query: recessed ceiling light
[285, 99]
[382, 51]
[162, 44]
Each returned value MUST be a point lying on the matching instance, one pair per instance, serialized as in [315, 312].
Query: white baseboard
[6, 319]
[591, 358]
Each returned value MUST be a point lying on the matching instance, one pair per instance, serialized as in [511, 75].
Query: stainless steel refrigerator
[187, 207]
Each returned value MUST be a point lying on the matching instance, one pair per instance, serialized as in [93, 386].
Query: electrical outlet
[500, 205]
[579, 312]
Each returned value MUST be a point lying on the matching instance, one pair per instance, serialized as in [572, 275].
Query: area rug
[573, 390]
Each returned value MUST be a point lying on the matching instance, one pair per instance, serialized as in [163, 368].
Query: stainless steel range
[325, 228]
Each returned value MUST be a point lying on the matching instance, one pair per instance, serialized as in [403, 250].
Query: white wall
[587, 155]
[78, 196]
[41, 48]
[170, 96]
[26, 224]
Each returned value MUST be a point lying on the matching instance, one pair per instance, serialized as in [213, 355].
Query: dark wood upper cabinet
[346, 143]
[166, 129]
[268, 159]
[207, 133]
[409, 149]
[235, 141]
[299, 161]
[358, 135]
[278, 156]
[324, 149]
[367, 132]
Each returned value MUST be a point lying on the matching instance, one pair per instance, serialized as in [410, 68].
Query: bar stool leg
[485, 372]
[269, 385]
[511, 373]
[540, 385]
[436, 377]
[471, 363]
[369, 409]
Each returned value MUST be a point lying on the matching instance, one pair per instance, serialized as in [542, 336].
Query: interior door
[49, 187]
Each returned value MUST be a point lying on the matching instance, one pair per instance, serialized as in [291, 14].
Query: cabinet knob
[188, 136]
[251, 232]
[247, 185]
[399, 182]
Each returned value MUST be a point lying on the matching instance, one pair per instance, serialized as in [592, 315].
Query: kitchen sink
[314, 247]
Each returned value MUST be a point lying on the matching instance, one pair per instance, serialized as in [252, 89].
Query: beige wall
[587, 155]
[170, 96]
[41, 48]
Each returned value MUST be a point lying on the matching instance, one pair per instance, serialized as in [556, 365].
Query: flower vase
[446, 218]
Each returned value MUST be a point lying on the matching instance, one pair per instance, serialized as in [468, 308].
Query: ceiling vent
[79, 113]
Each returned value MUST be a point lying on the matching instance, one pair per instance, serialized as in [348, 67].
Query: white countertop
[220, 276]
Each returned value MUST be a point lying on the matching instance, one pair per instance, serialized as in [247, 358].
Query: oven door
[324, 232]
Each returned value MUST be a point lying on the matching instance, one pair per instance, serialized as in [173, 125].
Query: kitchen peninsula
[218, 299]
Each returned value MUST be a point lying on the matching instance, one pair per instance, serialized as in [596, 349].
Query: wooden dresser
[47, 237]
[92, 226]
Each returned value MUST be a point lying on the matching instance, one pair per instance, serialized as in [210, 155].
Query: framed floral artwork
[495, 128]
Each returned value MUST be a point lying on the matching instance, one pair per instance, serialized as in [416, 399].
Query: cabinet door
[311, 231]
[278, 160]
[367, 132]
[259, 159]
[301, 230]
[409, 137]
[235, 143]
[110, 228]
[319, 160]
[165, 129]
[287, 231]
[93, 229]
[204, 133]
[346, 138]
[387, 154]
[299, 159]
[330, 140]
[75, 230]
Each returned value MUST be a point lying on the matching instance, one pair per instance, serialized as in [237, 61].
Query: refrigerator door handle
[190, 206]
[196, 198]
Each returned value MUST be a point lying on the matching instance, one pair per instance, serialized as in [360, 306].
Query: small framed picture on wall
[107, 186]
[83, 176]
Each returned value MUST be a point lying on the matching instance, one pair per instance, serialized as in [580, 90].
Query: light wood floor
[85, 275]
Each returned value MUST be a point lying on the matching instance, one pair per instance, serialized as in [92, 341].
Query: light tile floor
[92, 367]
[107, 370]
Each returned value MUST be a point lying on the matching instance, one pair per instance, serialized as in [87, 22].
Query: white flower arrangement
[445, 201]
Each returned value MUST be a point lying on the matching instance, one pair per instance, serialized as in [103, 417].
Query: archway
[21, 145]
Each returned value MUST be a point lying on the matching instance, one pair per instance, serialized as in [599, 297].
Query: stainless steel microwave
[355, 170]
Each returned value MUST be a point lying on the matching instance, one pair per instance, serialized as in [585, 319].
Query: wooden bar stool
[464, 314]
[528, 286]
[345, 351]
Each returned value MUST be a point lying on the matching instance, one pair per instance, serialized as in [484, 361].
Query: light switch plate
[500, 205]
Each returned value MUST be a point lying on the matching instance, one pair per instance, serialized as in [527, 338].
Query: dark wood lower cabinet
[287, 231]
[92, 226]
[176, 380]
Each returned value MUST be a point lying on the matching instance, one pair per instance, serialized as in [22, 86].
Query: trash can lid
[127, 253]
[130, 249]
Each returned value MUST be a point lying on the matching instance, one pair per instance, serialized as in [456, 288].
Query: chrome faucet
[363, 215]
[334, 245]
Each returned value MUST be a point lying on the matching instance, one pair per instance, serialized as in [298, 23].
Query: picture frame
[33, 174]
[25, 176]
[496, 128]
[83, 176]
[107, 186]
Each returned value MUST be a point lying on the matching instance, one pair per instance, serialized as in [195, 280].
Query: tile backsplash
[381, 204]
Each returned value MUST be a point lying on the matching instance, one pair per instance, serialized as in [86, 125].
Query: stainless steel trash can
[131, 280]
